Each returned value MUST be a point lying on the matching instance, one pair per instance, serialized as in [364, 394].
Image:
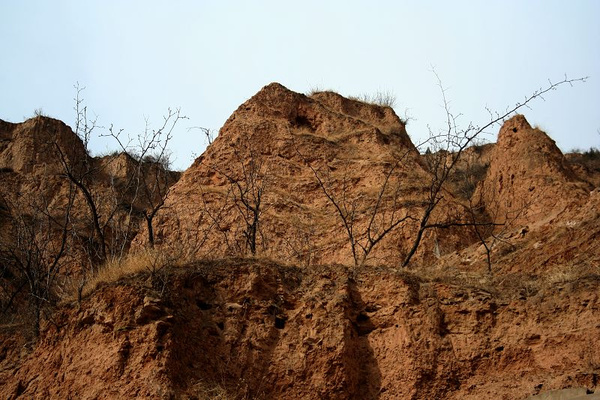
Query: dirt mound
[255, 329]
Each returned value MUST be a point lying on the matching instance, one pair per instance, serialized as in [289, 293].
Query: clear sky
[137, 58]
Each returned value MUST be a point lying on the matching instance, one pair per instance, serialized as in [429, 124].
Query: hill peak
[529, 178]
[31, 144]
[325, 114]
[276, 141]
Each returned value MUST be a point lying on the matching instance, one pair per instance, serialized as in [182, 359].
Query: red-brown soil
[254, 329]
[298, 320]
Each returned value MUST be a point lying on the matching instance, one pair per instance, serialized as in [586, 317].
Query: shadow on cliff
[225, 345]
[232, 336]
[362, 369]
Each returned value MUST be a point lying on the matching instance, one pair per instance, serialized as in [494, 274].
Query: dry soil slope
[529, 181]
[255, 329]
[551, 218]
[250, 328]
[283, 134]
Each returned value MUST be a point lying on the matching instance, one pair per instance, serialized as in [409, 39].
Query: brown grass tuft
[143, 260]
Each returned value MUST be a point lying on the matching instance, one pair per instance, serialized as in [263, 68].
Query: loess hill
[261, 293]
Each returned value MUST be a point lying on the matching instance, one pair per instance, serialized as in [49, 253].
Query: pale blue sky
[137, 58]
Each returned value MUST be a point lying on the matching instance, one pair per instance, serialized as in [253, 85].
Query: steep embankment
[255, 329]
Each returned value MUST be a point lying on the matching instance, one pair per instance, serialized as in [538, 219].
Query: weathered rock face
[260, 330]
[529, 179]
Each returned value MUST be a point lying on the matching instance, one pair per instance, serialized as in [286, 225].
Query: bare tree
[140, 192]
[209, 134]
[214, 213]
[152, 179]
[448, 147]
[248, 193]
[80, 172]
[384, 213]
[248, 188]
[34, 254]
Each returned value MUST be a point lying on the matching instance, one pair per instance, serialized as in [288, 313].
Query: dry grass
[570, 274]
[202, 390]
[560, 276]
[448, 274]
[380, 98]
[509, 285]
[142, 260]
[316, 89]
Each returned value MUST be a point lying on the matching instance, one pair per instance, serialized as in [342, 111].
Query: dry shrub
[558, 277]
[465, 180]
[570, 274]
[517, 286]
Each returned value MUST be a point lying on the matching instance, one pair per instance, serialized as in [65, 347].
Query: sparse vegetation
[80, 173]
[466, 179]
[249, 183]
[33, 253]
[591, 154]
[137, 187]
[449, 145]
[380, 98]
[143, 260]
[317, 89]
[151, 179]
[384, 212]
[586, 164]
